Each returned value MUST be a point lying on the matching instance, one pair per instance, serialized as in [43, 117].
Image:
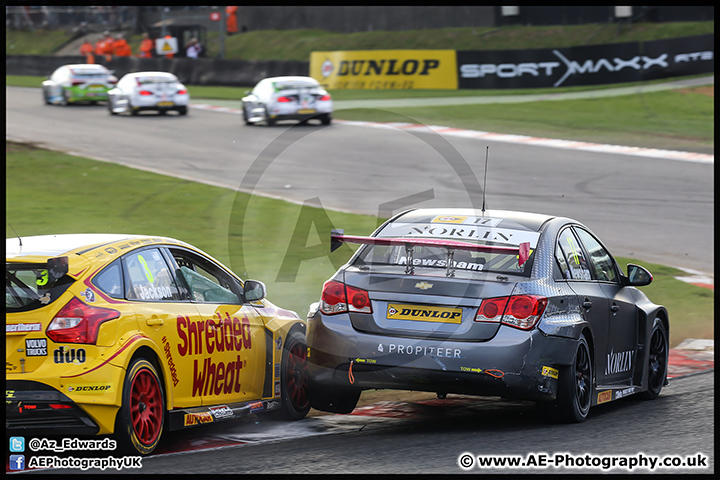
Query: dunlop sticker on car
[398, 311]
[91, 388]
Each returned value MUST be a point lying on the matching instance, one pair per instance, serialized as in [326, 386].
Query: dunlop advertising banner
[385, 69]
[586, 65]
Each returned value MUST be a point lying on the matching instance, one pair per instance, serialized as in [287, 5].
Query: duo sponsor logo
[550, 372]
[69, 355]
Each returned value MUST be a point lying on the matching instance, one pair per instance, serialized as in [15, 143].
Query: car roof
[49, 246]
[293, 79]
[151, 74]
[531, 221]
[87, 66]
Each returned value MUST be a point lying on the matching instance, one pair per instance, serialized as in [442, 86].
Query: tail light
[112, 80]
[339, 298]
[145, 92]
[325, 98]
[75, 83]
[77, 322]
[283, 99]
[519, 311]
[182, 92]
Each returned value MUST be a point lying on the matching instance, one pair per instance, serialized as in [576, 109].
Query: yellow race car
[135, 335]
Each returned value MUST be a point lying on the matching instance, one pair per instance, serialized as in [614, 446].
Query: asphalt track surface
[655, 209]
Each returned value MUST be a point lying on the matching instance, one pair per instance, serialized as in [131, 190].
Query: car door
[163, 310]
[591, 297]
[232, 365]
[619, 357]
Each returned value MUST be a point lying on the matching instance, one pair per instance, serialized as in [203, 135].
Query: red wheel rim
[296, 376]
[145, 407]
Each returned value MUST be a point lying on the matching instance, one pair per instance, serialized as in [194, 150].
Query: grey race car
[494, 303]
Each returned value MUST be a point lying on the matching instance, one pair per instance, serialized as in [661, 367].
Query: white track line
[517, 139]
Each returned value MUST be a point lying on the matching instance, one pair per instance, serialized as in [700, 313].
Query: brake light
[77, 82]
[335, 298]
[145, 93]
[519, 311]
[77, 322]
[59, 406]
[491, 310]
[283, 99]
[182, 92]
[325, 98]
[358, 300]
[112, 79]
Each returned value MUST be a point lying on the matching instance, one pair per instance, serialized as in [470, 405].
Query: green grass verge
[50, 193]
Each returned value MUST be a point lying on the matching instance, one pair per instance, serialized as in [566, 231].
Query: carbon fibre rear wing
[337, 238]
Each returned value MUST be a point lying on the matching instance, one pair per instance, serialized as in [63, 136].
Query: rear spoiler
[337, 238]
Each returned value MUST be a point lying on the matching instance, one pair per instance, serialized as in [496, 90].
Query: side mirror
[254, 290]
[638, 276]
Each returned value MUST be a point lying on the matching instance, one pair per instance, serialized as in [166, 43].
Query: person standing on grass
[231, 23]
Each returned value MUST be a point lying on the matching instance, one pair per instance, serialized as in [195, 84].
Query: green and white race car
[78, 83]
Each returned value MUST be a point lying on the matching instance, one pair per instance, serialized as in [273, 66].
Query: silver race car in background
[78, 83]
[493, 303]
[287, 98]
[141, 91]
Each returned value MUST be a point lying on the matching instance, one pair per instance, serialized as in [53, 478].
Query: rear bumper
[514, 364]
[33, 408]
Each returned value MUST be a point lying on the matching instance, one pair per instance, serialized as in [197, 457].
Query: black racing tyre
[46, 97]
[293, 380]
[182, 110]
[575, 386]
[65, 100]
[134, 112]
[269, 121]
[658, 362]
[246, 118]
[325, 119]
[333, 399]
[140, 420]
[110, 107]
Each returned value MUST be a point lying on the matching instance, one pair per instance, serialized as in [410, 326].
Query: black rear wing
[337, 238]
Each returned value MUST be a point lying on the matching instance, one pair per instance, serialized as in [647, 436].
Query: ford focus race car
[287, 98]
[133, 336]
[78, 83]
[493, 303]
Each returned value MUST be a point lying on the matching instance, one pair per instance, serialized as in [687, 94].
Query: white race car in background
[78, 83]
[287, 98]
[156, 91]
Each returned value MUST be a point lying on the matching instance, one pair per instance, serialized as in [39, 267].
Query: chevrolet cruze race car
[78, 83]
[494, 303]
[287, 98]
[136, 335]
[155, 91]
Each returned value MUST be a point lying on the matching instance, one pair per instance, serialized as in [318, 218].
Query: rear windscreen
[30, 286]
[424, 256]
